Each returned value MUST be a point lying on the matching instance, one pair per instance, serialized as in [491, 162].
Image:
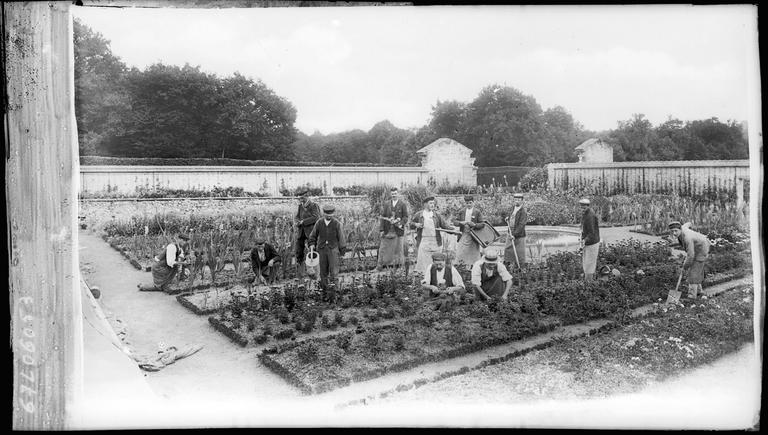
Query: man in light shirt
[167, 263]
[442, 283]
[490, 278]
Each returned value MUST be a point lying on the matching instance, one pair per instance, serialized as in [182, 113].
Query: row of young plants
[322, 364]
[564, 302]
[631, 256]
[659, 343]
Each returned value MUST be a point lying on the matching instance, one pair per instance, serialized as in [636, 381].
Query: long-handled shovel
[674, 295]
[514, 249]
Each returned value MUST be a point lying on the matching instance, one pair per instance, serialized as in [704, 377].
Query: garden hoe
[674, 295]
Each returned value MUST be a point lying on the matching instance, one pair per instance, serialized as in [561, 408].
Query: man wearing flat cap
[394, 216]
[428, 239]
[696, 247]
[327, 238]
[490, 278]
[306, 216]
[590, 239]
[264, 260]
[442, 282]
[468, 249]
[514, 248]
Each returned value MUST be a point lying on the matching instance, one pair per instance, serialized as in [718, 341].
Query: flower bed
[322, 364]
[319, 365]
[266, 312]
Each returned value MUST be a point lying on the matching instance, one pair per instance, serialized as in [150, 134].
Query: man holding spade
[514, 249]
[696, 247]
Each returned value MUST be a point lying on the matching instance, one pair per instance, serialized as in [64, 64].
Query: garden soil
[225, 385]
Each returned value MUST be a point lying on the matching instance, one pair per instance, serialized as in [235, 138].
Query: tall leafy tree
[561, 136]
[633, 139]
[503, 126]
[448, 118]
[100, 99]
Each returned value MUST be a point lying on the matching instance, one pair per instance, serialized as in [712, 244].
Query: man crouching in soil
[696, 246]
[442, 283]
[490, 278]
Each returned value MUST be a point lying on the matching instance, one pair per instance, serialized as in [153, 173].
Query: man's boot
[301, 270]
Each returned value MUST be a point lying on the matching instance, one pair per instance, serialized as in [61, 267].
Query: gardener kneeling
[442, 283]
[490, 278]
[167, 263]
[263, 260]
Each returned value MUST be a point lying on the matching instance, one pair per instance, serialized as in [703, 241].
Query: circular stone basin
[541, 241]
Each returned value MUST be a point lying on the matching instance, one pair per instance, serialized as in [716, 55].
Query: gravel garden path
[224, 384]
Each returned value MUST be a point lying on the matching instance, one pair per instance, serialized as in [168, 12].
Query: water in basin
[540, 242]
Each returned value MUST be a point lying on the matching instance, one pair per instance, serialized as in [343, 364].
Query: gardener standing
[428, 240]
[394, 215]
[327, 238]
[442, 282]
[306, 216]
[167, 263]
[263, 260]
[490, 279]
[590, 239]
[696, 247]
[468, 249]
[514, 249]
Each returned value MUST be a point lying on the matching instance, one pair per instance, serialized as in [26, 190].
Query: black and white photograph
[247, 214]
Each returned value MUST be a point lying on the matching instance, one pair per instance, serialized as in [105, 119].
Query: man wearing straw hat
[514, 249]
[468, 250]
[306, 216]
[263, 260]
[327, 238]
[590, 239]
[490, 278]
[428, 239]
[442, 282]
[394, 214]
[696, 247]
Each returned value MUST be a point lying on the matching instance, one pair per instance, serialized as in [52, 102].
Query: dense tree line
[172, 111]
[169, 111]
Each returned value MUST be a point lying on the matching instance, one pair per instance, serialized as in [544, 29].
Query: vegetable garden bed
[317, 365]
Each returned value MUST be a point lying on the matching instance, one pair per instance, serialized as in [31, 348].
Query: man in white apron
[428, 239]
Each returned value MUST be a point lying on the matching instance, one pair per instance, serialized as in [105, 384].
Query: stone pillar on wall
[448, 160]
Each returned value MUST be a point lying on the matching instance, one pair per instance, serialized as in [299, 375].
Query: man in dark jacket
[394, 216]
[515, 244]
[264, 260]
[327, 238]
[590, 239]
[470, 218]
[306, 216]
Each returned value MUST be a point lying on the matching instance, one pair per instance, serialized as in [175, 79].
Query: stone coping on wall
[652, 164]
[133, 169]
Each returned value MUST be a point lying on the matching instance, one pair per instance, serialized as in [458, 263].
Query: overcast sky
[346, 68]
